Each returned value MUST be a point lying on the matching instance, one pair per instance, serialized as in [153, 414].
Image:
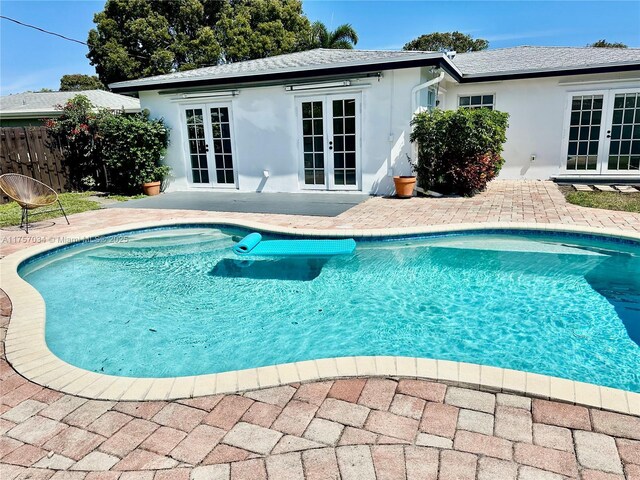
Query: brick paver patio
[384, 428]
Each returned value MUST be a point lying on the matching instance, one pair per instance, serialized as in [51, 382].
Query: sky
[31, 60]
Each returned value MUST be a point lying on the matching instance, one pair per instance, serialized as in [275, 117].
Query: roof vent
[451, 54]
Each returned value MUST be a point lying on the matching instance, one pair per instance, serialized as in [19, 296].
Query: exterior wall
[537, 109]
[265, 127]
[266, 133]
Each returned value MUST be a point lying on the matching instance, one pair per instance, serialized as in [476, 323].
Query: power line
[58, 34]
[43, 30]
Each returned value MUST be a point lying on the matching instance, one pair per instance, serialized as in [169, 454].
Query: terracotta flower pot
[404, 186]
[151, 188]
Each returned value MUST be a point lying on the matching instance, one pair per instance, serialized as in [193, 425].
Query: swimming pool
[176, 302]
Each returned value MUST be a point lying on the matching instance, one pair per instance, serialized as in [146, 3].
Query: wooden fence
[29, 151]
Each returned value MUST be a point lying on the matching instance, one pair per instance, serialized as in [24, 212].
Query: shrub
[459, 150]
[132, 147]
[76, 132]
[109, 150]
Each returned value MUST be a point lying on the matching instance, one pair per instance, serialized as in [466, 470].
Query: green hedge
[459, 150]
[110, 150]
[131, 149]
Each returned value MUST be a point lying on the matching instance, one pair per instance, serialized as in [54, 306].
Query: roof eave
[13, 114]
[524, 74]
[436, 60]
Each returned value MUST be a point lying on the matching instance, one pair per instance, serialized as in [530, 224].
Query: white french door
[209, 145]
[602, 133]
[329, 142]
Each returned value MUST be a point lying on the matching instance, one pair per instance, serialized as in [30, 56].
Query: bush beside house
[459, 150]
[113, 151]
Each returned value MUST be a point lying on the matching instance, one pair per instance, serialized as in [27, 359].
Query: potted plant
[405, 184]
[153, 180]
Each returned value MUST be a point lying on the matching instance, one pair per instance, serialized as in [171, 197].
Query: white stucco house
[325, 120]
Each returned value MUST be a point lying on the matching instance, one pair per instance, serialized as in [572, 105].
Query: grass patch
[10, 213]
[625, 202]
[124, 198]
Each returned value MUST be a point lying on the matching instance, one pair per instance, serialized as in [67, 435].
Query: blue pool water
[173, 302]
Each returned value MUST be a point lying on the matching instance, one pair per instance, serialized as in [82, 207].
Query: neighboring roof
[515, 62]
[317, 62]
[527, 60]
[33, 104]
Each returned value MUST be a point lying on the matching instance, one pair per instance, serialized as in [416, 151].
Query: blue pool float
[253, 244]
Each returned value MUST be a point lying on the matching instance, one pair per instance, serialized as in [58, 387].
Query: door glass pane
[626, 108]
[313, 143]
[197, 145]
[584, 132]
[344, 141]
[221, 131]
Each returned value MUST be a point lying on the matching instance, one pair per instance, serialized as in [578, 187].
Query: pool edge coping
[26, 349]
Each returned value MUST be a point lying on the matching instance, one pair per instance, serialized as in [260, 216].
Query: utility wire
[57, 34]
[43, 30]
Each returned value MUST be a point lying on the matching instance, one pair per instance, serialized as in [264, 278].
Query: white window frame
[206, 108]
[326, 99]
[602, 169]
[481, 95]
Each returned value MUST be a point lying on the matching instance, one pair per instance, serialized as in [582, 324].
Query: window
[476, 101]
[584, 132]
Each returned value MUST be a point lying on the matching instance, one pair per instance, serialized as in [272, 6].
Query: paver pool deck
[360, 428]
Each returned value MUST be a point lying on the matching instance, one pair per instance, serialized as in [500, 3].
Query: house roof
[34, 104]
[317, 62]
[515, 62]
[528, 60]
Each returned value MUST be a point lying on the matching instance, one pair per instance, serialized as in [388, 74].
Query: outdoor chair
[30, 194]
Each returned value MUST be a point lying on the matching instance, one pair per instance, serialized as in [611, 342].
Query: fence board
[29, 151]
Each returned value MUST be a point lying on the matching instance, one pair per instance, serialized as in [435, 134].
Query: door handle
[608, 133]
[206, 147]
[330, 145]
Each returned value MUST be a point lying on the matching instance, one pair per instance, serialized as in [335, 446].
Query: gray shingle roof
[504, 61]
[530, 59]
[316, 59]
[40, 103]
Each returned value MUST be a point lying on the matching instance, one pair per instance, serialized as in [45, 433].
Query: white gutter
[422, 86]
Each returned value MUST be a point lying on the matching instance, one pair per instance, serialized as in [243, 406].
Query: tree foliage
[250, 29]
[344, 36]
[78, 81]
[604, 44]
[447, 41]
[137, 38]
[459, 150]
[76, 132]
[109, 150]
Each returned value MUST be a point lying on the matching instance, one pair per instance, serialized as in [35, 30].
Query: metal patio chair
[30, 194]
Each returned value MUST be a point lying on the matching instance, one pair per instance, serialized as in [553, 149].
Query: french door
[209, 145]
[603, 133]
[329, 142]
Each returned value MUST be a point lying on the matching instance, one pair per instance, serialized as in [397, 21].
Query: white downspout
[417, 88]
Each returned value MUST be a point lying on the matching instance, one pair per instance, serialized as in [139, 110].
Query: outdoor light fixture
[228, 93]
[315, 86]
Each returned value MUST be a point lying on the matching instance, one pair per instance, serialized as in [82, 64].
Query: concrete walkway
[363, 428]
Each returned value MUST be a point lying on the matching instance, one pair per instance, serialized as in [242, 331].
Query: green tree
[342, 37]
[447, 41]
[604, 44]
[137, 38]
[250, 29]
[78, 81]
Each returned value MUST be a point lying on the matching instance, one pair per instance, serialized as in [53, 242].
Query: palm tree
[342, 37]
